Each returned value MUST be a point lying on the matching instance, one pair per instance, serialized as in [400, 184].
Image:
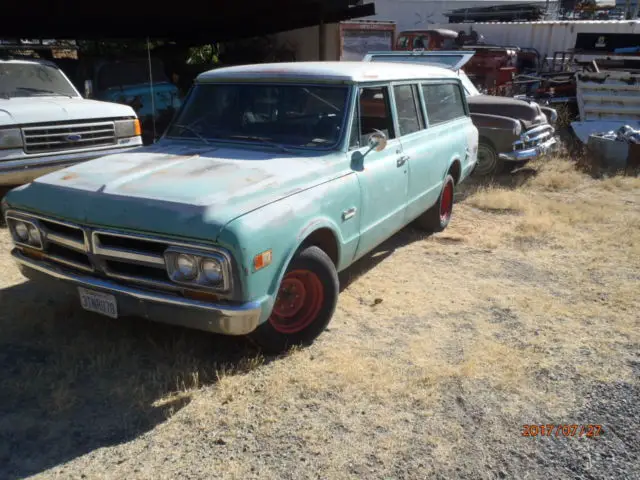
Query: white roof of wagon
[327, 71]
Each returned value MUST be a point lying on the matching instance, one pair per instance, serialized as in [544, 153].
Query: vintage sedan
[271, 179]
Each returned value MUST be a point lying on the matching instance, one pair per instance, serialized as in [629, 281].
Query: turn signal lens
[262, 260]
[137, 127]
[201, 296]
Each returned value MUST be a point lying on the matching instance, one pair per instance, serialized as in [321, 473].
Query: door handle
[402, 160]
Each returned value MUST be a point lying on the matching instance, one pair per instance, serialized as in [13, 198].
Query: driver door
[382, 175]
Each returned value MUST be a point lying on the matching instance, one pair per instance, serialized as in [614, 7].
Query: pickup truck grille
[534, 137]
[57, 138]
[127, 258]
[131, 258]
[113, 255]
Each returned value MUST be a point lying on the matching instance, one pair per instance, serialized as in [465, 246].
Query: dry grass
[522, 311]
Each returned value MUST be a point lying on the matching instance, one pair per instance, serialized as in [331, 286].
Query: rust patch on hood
[206, 169]
[70, 176]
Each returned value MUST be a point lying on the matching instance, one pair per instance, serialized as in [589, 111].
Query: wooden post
[322, 44]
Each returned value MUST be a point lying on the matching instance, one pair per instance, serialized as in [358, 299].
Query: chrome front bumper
[535, 152]
[238, 319]
[533, 143]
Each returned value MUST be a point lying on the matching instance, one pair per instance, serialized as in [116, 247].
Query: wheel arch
[455, 170]
[320, 233]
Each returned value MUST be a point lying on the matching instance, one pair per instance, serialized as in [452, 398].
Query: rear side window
[407, 106]
[443, 101]
[421, 41]
[402, 42]
[375, 113]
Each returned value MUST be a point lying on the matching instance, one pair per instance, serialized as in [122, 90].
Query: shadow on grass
[73, 382]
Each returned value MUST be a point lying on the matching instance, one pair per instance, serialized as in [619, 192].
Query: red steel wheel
[298, 303]
[437, 218]
[446, 204]
[304, 302]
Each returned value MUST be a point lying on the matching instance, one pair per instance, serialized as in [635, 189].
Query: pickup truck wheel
[304, 304]
[488, 161]
[438, 217]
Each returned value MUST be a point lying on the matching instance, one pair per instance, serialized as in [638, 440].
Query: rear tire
[305, 303]
[437, 218]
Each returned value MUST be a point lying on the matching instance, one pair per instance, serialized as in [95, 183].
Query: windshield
[294, 115]
[33, 79]
[469, 88]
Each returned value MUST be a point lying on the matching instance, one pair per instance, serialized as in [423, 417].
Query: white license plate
[98, 302]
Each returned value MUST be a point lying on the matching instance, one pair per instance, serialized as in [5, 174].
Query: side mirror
[377, 141]
[88, 88]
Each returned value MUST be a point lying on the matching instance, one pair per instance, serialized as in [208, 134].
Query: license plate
[98, 302]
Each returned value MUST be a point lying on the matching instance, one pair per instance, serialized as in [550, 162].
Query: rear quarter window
[444, 102]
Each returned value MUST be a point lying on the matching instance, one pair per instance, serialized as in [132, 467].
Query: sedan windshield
[293, 115]
[32, 79]
[469, 88]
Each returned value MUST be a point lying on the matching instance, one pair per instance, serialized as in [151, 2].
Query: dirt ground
[443, 347]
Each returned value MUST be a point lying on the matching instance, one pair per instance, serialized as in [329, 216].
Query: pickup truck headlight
[207, 270]
[128, 128]
[10, 138]
[212, 270]
[25, 233]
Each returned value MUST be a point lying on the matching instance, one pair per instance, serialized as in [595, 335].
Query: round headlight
[517, 128]
[34, 235]
[187, 266]
[212, 270]
[22, 231]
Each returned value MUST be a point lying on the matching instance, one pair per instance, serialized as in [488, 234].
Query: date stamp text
[562, 430]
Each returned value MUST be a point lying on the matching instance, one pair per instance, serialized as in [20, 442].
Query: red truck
[491, 68]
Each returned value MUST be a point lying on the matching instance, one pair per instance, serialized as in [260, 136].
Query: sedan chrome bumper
[530, 153]
[232, 319]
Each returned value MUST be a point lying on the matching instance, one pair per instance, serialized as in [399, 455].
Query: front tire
[489, 162]
[305, 303]
[437, 218]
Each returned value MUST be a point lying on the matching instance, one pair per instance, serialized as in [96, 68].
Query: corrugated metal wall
[546, 37]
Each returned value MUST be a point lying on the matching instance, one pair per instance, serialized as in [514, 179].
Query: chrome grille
[534, 137]
[56, 138]
[66, 244]
[132, 258]
[129, 258]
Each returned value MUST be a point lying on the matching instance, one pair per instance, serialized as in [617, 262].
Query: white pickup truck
[46, 125]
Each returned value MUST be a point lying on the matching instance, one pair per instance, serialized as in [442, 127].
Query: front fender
[500, 130]
[283, 226]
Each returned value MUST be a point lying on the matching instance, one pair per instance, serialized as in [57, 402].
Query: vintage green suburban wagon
[270, 180]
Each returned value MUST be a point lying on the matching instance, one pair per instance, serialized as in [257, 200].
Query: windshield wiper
[261, 139]
[192, 130]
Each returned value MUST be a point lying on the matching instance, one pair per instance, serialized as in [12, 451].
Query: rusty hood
[178, 190]
[529, 114]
